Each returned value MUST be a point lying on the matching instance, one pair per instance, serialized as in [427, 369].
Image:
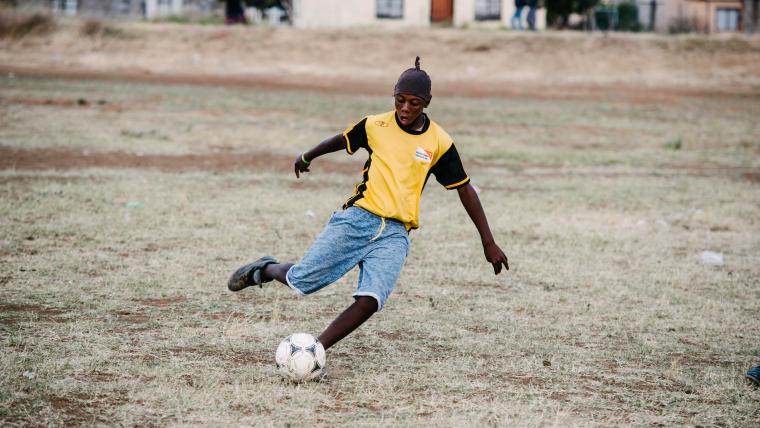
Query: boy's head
[412, 93]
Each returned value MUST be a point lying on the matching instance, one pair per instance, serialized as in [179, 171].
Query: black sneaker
[249, 274]
[754, 375]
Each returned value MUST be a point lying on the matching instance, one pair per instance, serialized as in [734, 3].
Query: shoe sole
[239, 279]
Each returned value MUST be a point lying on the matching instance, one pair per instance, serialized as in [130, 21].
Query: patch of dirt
[39, 102]
[83, 409]
[394, 335]
[525, 380]
[130, 330]
[100, 104]
[595, 383]
[250, 357]
[71, 409]
[161, 303]
[132, 317]
[351, 85]
[98, 376]
[479, 329]
[37, 309]
[61, 159]
[225, 315]
[234, 358]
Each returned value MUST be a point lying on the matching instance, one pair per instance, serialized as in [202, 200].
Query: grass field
[125, 206]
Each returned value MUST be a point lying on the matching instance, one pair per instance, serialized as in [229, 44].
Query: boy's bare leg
[276, 271]
[359, 311]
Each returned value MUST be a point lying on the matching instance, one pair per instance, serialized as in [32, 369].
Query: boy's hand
[495, 256]
[301, 166]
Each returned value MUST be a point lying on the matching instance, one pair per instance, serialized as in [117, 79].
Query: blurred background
[661, 16]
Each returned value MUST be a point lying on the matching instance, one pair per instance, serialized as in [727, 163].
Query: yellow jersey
[399, 164]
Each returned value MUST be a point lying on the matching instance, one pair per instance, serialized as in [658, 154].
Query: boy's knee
[367, 303]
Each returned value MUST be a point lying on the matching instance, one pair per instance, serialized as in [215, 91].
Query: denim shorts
[354, 237]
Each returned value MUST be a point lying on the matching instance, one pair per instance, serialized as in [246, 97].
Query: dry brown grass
[19, 26]
[98, 28]
[114, 312]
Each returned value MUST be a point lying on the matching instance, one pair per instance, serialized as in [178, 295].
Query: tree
[558, 11]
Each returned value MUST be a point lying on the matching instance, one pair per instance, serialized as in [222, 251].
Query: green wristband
[304, 159]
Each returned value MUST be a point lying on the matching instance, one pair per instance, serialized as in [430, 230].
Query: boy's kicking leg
[352, 237]
[354, 316]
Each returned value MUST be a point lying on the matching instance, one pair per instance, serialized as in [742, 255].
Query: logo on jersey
[423, 155]
[381, 123]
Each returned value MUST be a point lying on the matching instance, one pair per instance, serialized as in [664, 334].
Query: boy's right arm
[332, 144]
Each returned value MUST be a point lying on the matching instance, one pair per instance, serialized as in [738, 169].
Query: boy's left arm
[471, 203]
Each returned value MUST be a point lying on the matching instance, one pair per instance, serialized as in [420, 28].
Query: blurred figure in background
[234, 13]
[517, 17]
[531, 18]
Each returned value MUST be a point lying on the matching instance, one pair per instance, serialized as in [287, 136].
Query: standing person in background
[234, 13]
[517, 17]
[531, 18]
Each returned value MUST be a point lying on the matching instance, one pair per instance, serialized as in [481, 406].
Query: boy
[404, 148]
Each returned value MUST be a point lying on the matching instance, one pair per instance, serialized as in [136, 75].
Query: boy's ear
[427, 103]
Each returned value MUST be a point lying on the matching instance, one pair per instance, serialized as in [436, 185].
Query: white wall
[464, 15]
[353, 13]
[156, 8]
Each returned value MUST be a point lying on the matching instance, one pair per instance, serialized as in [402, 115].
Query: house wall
[127, 8]
[751, 16]
[697, 14]
[464, 15]
[155, 8]
[665, 11]
[354, 13]
[703, 12]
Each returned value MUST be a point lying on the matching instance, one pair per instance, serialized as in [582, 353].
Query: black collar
[414, 131]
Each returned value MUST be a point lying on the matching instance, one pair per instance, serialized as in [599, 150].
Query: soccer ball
[300, 357]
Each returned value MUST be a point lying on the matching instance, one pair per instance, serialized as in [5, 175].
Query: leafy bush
[628, 17]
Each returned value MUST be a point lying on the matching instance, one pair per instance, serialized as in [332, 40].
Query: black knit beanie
[415, 82]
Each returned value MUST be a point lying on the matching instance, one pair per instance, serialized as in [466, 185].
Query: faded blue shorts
[353, 237]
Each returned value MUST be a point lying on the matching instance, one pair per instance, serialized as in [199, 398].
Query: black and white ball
[300, 357]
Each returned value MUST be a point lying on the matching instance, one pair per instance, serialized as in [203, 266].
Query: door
[441, 10]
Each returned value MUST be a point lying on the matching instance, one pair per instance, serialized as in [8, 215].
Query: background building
[407, 13]
[751, 16]
[703, 16]
[121, 8]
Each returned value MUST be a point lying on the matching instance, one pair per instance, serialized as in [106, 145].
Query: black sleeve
[356, 137]
[449, 170]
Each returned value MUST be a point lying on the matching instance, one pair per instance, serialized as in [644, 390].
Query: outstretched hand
[495, 256]
[300, 166]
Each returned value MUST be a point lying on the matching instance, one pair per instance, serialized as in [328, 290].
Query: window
[121, 7]
[66, 7]
[391, 9]
[164, 7]
[726, 20]
[486, 10]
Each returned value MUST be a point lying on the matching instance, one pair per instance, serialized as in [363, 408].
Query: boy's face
[409, 108]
